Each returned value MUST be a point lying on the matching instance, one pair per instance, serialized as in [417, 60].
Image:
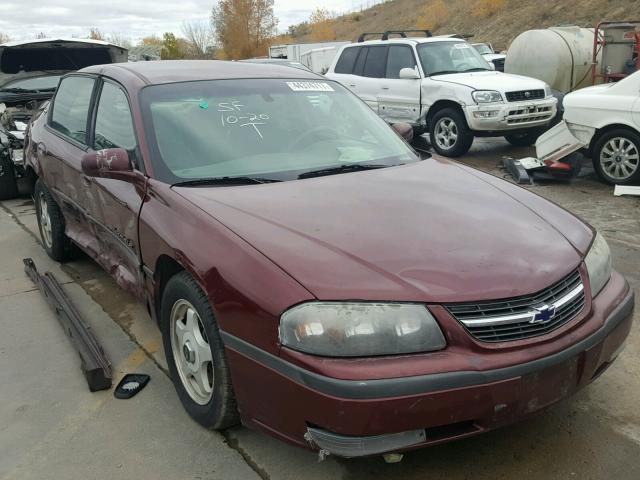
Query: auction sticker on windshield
[310, 87]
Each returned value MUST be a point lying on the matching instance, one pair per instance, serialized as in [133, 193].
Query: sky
[134, 18]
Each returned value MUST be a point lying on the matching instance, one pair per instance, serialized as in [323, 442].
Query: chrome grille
[524, 95]
[514, 319]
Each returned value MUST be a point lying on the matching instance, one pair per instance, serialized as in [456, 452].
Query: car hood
[54, 56]
[431, 231]
[491, 80]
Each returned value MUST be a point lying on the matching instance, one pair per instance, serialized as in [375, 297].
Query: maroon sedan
[313, 276]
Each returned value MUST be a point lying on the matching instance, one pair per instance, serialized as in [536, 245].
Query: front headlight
[486, 96]
[598, 262]
[347, 329]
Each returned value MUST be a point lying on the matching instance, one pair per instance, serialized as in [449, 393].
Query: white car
[490, 55]
[605, 119]
[444, 86]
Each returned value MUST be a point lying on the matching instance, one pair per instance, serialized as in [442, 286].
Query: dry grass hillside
[496, 21]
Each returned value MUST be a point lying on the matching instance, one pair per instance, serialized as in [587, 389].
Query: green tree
[172, 48]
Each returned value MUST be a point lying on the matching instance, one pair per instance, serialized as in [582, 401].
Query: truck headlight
[486, 96]
[348, 329]
[547, 91]
[598, 262]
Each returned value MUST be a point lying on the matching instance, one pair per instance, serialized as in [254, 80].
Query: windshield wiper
[224, 181]
[444, 72]
[476, 69]
[357, 167]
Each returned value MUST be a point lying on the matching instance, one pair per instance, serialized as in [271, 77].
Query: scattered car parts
[94, 363]
[130, 385]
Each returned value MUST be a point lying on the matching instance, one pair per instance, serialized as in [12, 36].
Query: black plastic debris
[93, 361]
[130, 385]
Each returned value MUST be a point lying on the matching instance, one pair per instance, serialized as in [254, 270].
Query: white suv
[443, 85]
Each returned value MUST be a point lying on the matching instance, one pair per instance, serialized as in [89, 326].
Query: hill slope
[495, 21]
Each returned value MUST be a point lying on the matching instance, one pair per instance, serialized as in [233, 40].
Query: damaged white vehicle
[29, 75]
[605, 121]
[443, 86]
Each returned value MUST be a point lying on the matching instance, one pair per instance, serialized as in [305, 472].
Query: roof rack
[385, 35]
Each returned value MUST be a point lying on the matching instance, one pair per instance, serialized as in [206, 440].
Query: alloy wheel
[619, 158]
[45, 221]
[191, 352]
[446, 133]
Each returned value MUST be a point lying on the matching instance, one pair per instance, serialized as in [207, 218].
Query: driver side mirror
[409, 73]
[107, 163]
[404, 130]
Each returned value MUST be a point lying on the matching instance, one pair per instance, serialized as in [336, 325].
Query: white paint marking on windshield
[310, 87]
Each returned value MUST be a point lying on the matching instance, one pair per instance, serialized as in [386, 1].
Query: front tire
[195, 354]
[449, 134]
[51, 224]
[616, 157]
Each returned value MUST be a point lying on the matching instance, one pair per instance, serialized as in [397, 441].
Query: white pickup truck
[444, 86]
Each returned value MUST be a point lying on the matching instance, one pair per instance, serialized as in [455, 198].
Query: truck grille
[529, 114]
[523, 317]
[524, 95]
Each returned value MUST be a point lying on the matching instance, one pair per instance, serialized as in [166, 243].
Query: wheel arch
[166, 267]
[603, 130]
[441, 105]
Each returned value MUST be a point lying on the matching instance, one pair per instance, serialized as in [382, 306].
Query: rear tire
[616, 157]
[195, 354]
[8, 183]
[51, 225]
[449, 134]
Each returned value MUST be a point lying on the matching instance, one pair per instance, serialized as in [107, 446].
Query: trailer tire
[449, 134]
[196, 355]
[608, 160]
[51, 224]
[8, 183]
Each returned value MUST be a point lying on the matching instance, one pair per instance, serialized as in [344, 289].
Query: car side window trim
[50, 128]
[138, 163]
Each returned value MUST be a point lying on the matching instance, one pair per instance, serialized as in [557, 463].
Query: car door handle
[385, 88]
[352, 85]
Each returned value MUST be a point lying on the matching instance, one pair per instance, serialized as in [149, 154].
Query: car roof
[62, 40]
[171, 71]
[407, 41]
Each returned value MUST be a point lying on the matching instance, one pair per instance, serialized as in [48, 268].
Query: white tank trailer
[560, 56]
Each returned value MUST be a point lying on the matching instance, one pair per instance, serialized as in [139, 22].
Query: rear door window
[400, 56]
[347, 60]
[376, 63]
[71, 107]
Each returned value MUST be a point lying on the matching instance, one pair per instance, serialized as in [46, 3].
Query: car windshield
[268, 129]
[483, 49]
[450, 57]
[47, 82]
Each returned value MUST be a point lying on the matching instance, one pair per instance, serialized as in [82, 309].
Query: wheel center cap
[189, 353]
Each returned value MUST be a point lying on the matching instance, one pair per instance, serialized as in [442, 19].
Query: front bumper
[511, 115]
[364, 417]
